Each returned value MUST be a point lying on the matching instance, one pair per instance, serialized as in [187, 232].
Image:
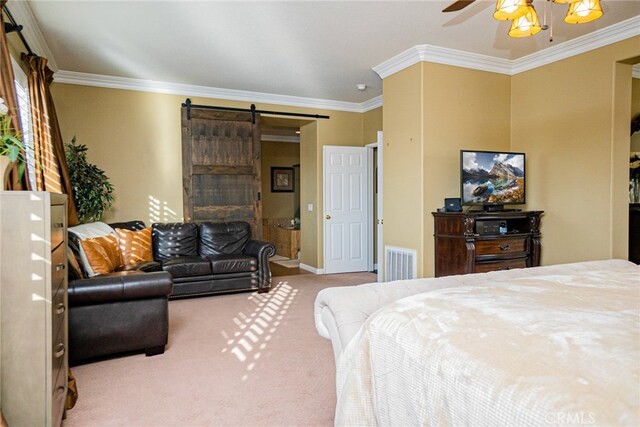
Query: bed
[545, 345]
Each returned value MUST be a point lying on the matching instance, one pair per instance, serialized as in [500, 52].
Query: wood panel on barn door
[221, 170]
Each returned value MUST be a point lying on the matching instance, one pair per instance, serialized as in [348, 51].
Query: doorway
[281, 168]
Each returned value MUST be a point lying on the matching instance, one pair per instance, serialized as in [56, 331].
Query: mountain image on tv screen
[492, 178]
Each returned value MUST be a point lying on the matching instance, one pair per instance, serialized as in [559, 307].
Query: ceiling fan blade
[459, 5]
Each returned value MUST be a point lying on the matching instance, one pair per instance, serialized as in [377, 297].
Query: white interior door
[380, 248]
[346, 181]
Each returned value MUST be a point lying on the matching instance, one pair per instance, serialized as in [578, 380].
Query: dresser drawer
[58, 213]
[509, 264]
[58, 353]
[503, 246]
[58, 267]
[58, 312]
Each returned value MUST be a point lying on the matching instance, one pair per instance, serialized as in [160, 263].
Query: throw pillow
[135, 246]
[85, 231]
[102, 253]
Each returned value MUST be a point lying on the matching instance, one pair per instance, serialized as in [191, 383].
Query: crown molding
[597, 39]
[635, 71]
[98, 80]
[31, 31]
[371, 104]
[441, 55]
[594, 40]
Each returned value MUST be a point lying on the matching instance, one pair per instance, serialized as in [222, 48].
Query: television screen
[492, 178]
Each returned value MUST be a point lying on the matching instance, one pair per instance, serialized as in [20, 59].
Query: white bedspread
[555, 349]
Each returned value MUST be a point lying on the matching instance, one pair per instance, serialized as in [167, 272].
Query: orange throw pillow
[102, 253]
[135, 246]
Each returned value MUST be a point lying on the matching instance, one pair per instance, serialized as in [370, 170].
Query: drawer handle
[58, 225]
[504, 268]
[60, 308]
[60, 351]
[505, 247]
[60, 266]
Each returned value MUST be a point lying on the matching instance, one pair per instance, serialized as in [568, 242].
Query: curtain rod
[12, 26]
[251, 110]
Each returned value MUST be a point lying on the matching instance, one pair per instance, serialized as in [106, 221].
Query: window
[24, 110]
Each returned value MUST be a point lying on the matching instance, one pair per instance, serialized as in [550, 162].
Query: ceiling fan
[458, 5]
[525, 21]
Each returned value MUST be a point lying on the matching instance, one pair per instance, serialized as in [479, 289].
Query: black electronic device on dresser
[479, 241]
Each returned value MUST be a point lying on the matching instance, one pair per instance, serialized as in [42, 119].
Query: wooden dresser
[33, 307]
[478, 241]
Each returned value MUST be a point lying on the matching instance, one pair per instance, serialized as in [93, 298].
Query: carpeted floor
[232, 360]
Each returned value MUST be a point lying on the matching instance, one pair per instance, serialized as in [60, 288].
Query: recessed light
[361, 86]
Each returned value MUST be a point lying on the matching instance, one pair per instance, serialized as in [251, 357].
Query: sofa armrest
[119, 287]
[262, 251]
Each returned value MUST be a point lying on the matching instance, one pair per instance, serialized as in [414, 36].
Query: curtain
[52, 172]
[8, 93]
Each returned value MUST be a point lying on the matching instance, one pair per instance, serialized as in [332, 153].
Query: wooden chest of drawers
[33, 309]
[462, 246]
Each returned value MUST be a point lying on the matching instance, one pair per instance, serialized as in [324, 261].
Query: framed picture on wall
[281, 180]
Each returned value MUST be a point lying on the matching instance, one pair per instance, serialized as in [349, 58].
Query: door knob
[328, 216]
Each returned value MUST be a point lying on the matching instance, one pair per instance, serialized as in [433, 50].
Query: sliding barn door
[221, 169]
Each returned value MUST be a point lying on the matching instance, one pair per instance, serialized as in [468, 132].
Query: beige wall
[635, 111]
[278, 154]
[135, 137]
[475, 116]
[310, 222]
[371, 124]
[432, 111]
[571, 118]
[403, 160]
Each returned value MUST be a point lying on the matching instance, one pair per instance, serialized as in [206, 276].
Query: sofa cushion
[85, 231]
[232, 263]
[102, 253]
[224, 237]
[174, 240]
[135, 246]
[187, 266]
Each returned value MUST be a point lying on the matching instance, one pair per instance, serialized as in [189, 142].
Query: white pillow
[86, 231]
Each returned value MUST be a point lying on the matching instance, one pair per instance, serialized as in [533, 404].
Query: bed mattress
[560, 346]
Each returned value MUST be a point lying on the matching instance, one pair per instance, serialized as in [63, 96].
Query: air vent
[400, 263]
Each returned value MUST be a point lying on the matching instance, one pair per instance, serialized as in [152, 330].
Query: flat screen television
[492, 179]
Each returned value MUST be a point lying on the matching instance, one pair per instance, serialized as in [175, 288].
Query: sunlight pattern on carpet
[254, 331]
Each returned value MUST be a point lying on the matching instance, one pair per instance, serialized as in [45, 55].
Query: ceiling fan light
[526, 25]
[510, 9]
[583, 11]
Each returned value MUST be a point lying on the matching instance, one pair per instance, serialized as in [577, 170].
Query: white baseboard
[311, 269]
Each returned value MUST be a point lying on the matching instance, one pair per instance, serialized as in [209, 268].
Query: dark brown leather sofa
[127, 311]
[212, 258]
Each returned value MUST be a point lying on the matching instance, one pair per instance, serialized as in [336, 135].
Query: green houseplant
[11, 147]
[92, 191]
